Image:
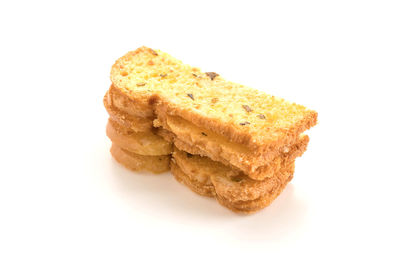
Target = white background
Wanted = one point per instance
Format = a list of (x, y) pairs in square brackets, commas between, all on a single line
[(66, 205)]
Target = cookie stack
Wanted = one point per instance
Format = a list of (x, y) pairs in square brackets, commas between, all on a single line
[(130, 129), (227, 141)]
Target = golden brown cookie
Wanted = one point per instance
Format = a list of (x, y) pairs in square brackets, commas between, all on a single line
[(135, 162), (133, 122), (203, 187), (142, 143), (241, 114), (231, 187), (229, 155)]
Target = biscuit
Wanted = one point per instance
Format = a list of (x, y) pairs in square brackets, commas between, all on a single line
[(202, 187), (231, 142), (133, 122), (142, 143), (210, 145), (243, 115), (231, 188), (252, 206), (136, 162), (129, 105)]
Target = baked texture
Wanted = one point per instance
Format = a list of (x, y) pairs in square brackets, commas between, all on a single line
[(129, 105), (200, 186), (232, 142), (194, 140), (142, 143), (252, 206), (232, 188), (136, 162), (133, 122), (241, 114)]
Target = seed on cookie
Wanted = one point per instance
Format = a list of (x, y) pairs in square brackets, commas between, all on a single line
[(261, 116), (212, 75), (247, 108), (214, 100), (153, 52)]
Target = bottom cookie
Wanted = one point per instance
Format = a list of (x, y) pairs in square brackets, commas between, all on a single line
[(136, 162), (142, 143), (257, 204), (231, 188), (202, 187)]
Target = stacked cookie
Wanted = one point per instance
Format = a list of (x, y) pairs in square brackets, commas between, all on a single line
[(134, 141), (228, 141)]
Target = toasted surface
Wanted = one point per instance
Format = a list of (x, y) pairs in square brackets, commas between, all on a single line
[(195, 141), (167, 135), (217, 147), (135, 162), (230, 183), (129, 105), (231, 188), (261, 172), (142, 143), (241, 114), (134, 122), (202, 187), (252, 206)]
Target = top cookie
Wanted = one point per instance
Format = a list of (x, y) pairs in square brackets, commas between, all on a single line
[(241, 114)]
